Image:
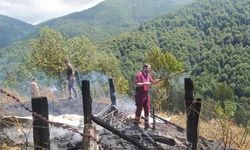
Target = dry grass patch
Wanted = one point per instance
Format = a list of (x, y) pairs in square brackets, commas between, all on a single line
[(4, 99), (215, 129)]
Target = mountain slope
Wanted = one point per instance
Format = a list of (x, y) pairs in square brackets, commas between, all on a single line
[(211, 37), (108, 18), (13, 30), (213, 40), (111, 17)]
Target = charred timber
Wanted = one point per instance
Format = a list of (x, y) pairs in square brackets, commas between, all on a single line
[(89, 128), (193, 112), (157, 138), (119, 133), (40, 127), (168, 122)]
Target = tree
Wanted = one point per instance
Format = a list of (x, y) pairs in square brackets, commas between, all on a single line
[(110, 65), (164, 64), (82, 54), (85, 58), (223, 93), (48, 53)]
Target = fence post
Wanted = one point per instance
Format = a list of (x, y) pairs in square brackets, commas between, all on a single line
[(193, 112), (112, 92), (90, 137), (40, 126), (112, 96), (153, 113)]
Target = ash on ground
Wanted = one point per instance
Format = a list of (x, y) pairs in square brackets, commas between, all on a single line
[(165, 135)]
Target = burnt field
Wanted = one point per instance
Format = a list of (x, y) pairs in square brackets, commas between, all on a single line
[(164, 135)]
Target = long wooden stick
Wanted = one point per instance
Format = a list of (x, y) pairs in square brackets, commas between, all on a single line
[(171, 75)]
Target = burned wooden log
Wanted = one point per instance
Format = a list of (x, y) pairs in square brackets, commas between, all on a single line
[(162, 139), (119, 133), (148, 137), (157, 138), (178, 128)]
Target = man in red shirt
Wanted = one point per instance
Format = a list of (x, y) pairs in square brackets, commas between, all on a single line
[(143, 80)]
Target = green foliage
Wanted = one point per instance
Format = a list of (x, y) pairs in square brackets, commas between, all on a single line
[(13, 66), (131, 50), (82, 53), (212, 41), (48, 52), (109, 65), (121, 84), (228, 110), (163, 64), (110, 17), (243, 111), (223, 93)]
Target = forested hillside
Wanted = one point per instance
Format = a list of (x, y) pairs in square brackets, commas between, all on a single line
[(214, 40), (11, 58), (111, 17), (108, 18), (211, 37), (13, 30), (100, 22)]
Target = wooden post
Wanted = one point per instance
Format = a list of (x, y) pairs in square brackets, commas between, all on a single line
[(112, 97), (89, 138), (153, 118), (40, 126), (193, 112), (112, 92)]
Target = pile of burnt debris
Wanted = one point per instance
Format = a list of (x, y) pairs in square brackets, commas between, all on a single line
[(113, 127), (117, 130)]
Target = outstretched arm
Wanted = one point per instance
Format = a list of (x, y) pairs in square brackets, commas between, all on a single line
[(140, 84), (154, 81)]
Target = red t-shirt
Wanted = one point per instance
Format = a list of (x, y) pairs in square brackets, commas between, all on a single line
[(141, 77)]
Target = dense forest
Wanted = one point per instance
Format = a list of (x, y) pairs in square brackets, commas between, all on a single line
[(100, 22), (110, 17), (211, 38)]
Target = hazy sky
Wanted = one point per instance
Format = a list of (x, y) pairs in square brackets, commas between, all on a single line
[(36, 11)]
